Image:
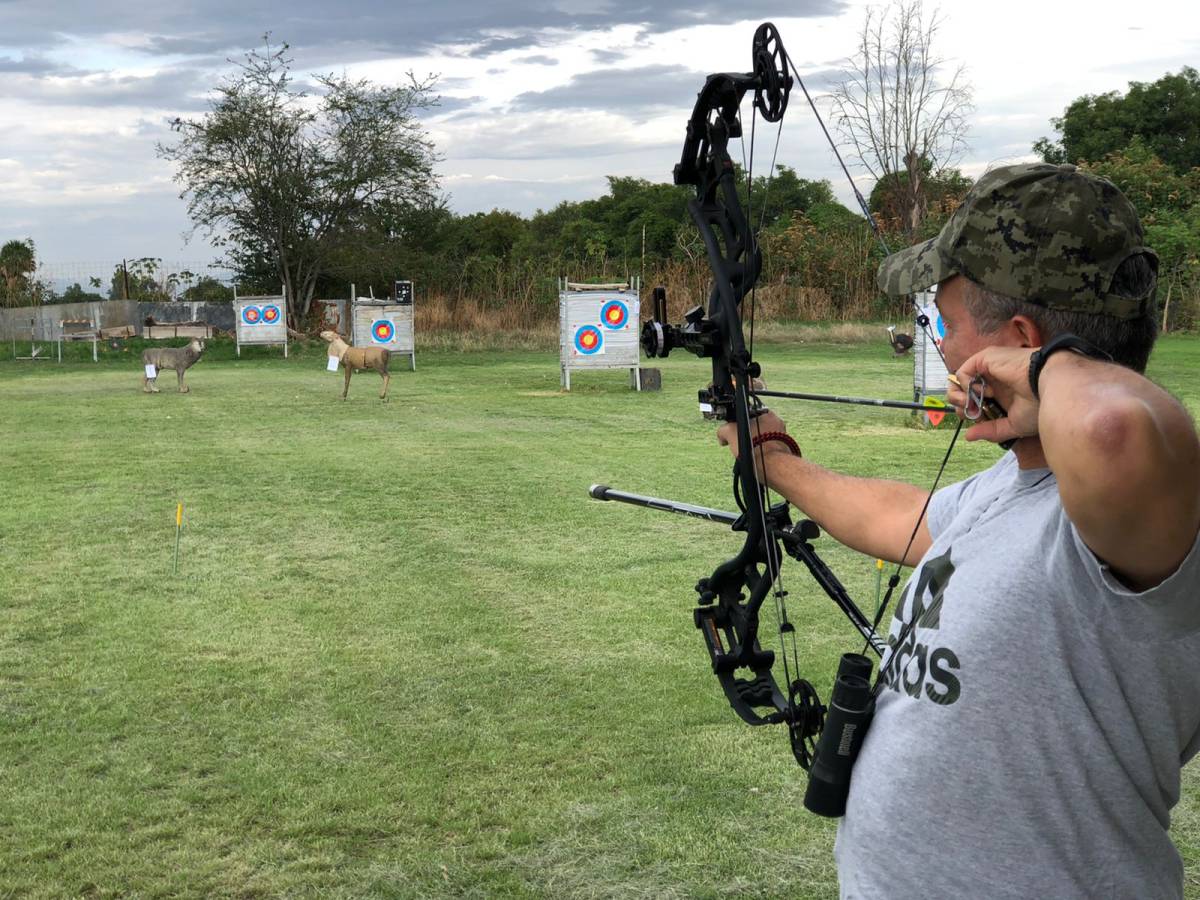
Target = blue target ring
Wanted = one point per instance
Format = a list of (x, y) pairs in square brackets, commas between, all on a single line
[(382, 331), (251, 315), (270, 314), (614, 314), (589, 340)]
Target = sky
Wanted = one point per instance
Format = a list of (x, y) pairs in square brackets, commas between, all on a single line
[(540, 100)]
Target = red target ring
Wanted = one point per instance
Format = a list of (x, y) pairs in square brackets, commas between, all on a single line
[(614, 314), (588, 340), (382, 331)]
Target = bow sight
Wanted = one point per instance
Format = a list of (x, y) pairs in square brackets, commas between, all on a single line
[(700, 335)]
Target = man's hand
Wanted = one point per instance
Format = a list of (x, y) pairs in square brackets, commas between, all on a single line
[(1006, 372), (727, 435)]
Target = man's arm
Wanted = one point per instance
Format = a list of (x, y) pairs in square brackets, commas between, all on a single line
[(1124, 452), (870, 515)]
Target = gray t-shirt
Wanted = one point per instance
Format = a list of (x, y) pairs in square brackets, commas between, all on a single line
[(1029, 740)]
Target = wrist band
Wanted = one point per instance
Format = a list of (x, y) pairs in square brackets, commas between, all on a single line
[(1071, 342), (781, 436)]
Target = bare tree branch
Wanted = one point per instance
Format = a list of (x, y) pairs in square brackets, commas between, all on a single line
[(899, 116)]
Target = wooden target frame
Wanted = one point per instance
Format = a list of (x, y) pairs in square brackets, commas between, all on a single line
[(260, 321), (599, 328)]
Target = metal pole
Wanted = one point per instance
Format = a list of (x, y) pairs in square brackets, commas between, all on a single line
[(604, 492), (178, 528)]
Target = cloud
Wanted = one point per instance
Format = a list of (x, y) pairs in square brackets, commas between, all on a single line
[(537, 60), (184, 27), (29, 65), (180, 89), (638, 90), (609, 57), (546, 136)]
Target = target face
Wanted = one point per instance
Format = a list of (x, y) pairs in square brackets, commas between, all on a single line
[(589, 340), (382, 331), (614, 314), (270, 314), (251, 315)]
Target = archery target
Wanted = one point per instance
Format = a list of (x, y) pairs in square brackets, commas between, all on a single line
[(382, 324), (261, 320), (589, 341), (614, 314), (382, 331)]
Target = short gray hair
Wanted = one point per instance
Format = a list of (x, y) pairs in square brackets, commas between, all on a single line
[(1128, 341)]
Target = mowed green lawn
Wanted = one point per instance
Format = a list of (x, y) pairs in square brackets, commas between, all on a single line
[(404, 654)]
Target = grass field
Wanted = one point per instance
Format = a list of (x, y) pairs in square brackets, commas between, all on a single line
[(404, 654)]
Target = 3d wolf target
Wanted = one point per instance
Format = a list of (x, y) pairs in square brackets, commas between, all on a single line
[(260, 320), (387, 323), (598, 329)]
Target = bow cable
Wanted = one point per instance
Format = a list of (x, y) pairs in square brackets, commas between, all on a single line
[(923, 321)]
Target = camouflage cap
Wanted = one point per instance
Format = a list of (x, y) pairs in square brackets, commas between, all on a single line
[(1046, 234)]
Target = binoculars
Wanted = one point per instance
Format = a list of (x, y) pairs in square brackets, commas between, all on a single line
[(850, 710)]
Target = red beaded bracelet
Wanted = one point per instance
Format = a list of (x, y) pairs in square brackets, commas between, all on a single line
[(781, 436)]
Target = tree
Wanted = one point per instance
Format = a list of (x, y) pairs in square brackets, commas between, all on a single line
[(899, 112), (775, 198), (943, 194), (18, 261), (278, 176), (76, 293), (141, 279), (1165, 114), (1168, 204), (206, 289)]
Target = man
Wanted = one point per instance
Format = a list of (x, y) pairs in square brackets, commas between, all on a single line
[(1042, 687)]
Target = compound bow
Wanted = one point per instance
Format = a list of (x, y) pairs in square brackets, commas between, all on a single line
[(731, 597)]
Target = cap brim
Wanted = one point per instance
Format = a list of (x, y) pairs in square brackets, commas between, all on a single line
[(914, 269)]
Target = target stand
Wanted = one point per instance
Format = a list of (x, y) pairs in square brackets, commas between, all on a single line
[(599, 328), (260, 320), (387, 323), (929, 371), (79, 330)]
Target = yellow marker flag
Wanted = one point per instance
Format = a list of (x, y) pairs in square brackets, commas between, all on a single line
[(178, 528), (934, 417)]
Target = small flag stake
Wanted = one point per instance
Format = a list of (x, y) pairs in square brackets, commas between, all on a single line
[(178, 528)]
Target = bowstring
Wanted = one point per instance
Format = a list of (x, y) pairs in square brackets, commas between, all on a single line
[(923, 321), (773, 554)]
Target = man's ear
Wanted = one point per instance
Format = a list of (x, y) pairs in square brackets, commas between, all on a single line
[(1026, 331)]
